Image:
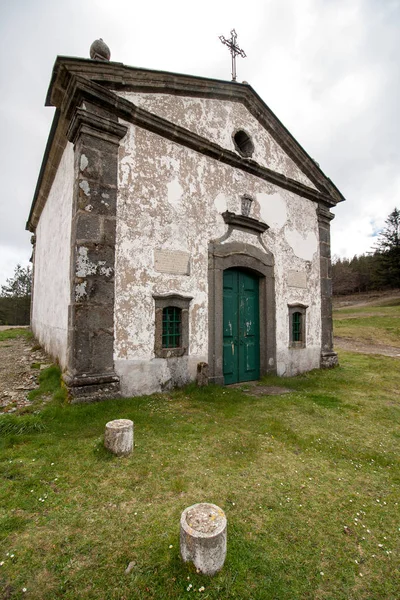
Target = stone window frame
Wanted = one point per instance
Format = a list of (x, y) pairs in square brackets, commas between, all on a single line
[(297, 307), (162, 301)]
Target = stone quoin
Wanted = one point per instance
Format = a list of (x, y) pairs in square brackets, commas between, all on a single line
[(180, 232)]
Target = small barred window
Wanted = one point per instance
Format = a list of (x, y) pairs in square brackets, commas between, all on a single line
[(171, 335), (297, 325), (171, 327)]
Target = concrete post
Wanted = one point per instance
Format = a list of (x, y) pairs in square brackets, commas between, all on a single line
[(203, 537)]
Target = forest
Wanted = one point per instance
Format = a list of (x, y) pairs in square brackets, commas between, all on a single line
[(376, 270)]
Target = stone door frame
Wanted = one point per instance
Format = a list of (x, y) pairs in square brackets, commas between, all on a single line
[(241, 256)]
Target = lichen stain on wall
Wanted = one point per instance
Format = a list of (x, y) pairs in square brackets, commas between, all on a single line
[(218, 120)]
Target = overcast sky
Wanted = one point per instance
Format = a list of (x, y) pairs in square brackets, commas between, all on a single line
[(329, 69)]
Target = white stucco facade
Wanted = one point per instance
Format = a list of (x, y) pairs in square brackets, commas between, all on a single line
[(217, 120), (51, 292), (171, 198)]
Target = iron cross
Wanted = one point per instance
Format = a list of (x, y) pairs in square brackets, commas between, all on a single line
[(235, 50)]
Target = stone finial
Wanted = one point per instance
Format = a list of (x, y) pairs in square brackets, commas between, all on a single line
[(99, 50), (203, 537), (118, 437)]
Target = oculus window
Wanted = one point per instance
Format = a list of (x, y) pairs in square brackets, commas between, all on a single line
[(243, 143)]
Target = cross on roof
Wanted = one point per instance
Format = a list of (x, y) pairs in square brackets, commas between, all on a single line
[(235, 50)]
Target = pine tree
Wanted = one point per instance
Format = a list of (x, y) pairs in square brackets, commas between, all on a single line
[(387, 251)]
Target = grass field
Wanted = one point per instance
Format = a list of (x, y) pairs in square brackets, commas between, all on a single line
[(377, 323), (309, 482)]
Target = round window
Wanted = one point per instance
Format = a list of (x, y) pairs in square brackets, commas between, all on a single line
[(243, 143)]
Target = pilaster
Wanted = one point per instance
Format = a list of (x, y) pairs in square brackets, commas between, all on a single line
[(90, 372), (329, 358)]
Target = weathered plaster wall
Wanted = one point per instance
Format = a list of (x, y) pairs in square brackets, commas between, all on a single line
[(217, 120), (171, 198), (51, 296)]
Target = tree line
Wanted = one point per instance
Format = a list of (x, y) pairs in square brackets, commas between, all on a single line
[(376, 270)]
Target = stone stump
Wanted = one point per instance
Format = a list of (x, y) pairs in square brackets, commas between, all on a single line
[(118, 437), (203, 537), (202, 374)]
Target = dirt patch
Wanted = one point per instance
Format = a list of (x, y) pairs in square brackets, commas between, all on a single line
[(366, 299), (365, 315), (252, 388), (352, 345), (20, 365)]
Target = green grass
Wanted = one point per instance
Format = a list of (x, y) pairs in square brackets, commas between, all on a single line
[(10, 334), (309, 482), (376, 324)]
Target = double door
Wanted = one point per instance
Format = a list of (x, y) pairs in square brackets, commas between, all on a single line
[(241, 328)]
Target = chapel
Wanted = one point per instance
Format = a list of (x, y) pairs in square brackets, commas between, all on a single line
[(178, 228)]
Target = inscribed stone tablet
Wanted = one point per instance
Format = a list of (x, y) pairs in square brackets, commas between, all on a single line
[(172, 261), (297, 279)]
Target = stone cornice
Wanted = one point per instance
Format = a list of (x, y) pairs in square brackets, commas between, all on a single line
[(86, 122), (118, 76), (246, 223)]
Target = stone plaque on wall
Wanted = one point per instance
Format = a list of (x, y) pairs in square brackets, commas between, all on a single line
[(172, 261), (297, 279)]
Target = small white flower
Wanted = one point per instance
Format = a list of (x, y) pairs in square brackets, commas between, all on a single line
[(360, 574), (171, 546), (202, 588), (380, 545), (24, 590), (11, 555), (52, 464), (321, 572), (1, 563)]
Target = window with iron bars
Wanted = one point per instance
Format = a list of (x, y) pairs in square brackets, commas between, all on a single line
[(297, 325), (171, 327)]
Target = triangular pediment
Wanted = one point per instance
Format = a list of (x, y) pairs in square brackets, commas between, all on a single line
[(151, 90)]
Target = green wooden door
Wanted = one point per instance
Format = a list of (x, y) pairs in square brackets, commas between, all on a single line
[(241, 329)]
